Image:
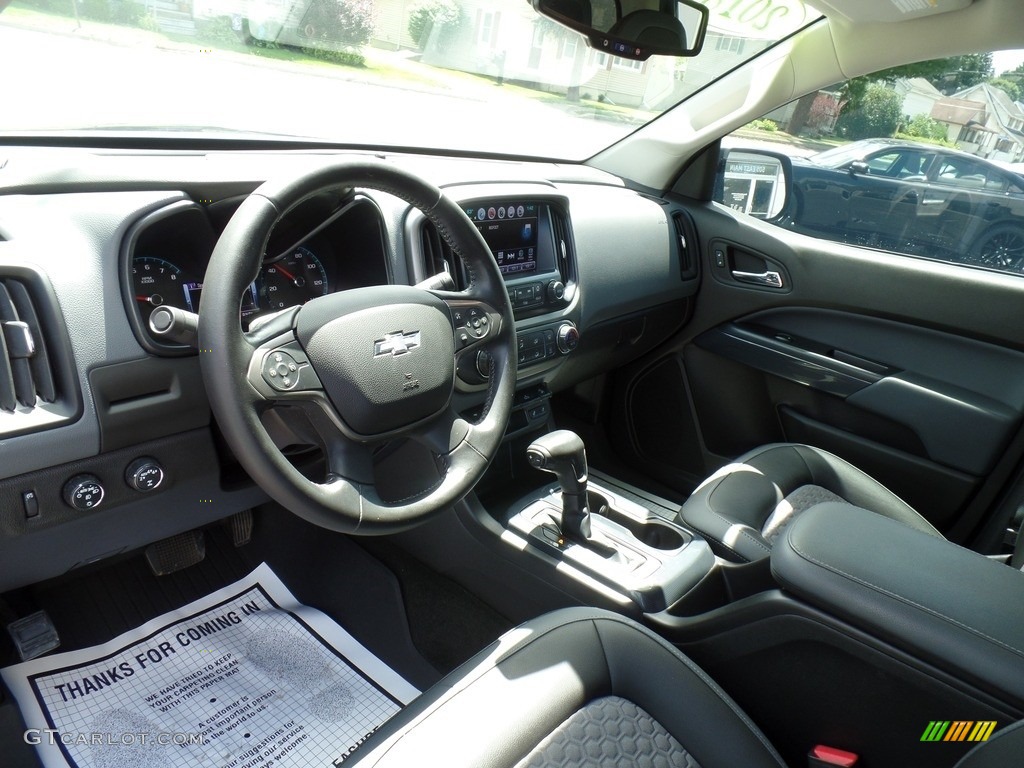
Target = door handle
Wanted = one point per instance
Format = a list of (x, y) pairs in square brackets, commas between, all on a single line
[(768, 279)]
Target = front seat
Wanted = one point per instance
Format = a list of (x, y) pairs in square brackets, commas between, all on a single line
[(576, 687), (585, 687), (743, 507)]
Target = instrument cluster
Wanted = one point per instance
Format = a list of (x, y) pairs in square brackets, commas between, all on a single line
[(330, 243), (294, 279)]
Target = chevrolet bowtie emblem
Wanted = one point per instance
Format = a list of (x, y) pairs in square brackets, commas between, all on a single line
[(396, 344)]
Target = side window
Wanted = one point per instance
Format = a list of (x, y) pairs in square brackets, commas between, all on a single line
[(924, 161), (886, 164)]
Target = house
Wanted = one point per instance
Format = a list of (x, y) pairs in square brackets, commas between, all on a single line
[(964, 120), (919, 96), (999, 133), (557, 60)]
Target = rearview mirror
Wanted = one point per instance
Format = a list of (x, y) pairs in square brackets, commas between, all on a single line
[(754, 182), (633, 29)]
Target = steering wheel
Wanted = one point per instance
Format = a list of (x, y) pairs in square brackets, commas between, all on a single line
[(357, 368)]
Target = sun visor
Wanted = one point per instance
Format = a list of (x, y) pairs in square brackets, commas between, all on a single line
[(888, 10)]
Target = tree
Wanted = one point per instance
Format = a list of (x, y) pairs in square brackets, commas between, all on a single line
[(1009, 87), (924, 127), (348, 22), (880, 112), (963, 72), (444, 15), (947, 75)]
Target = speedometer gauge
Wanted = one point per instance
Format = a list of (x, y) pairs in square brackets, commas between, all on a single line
[(294, 280)]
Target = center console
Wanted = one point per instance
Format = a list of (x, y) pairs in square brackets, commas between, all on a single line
[(599, 531)]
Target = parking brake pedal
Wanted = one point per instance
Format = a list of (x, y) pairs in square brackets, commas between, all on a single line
[(34, 635), (176, 553)]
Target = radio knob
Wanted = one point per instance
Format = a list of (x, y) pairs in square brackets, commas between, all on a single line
[(568, 338), (556, 290)]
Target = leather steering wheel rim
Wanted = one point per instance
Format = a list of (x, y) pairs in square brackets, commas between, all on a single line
[(237, 367)]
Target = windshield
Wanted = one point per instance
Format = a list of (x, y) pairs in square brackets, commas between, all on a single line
[(475, 75)]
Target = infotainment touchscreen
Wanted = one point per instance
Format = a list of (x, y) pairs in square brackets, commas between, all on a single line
[(510, 230)]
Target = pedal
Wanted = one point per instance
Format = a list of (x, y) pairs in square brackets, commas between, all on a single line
[(176, 553), (34, 635), (241, 524)]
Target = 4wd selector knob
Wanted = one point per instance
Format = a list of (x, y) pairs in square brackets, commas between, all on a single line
[(568, 338), (144, 475), (83, 492)]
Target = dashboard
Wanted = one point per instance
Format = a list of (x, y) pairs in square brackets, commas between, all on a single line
[(597, 274)]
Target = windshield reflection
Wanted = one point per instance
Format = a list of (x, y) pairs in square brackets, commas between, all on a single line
[(474, 75)]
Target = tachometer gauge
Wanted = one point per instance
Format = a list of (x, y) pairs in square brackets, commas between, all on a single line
[(157, 282), (294, 280)]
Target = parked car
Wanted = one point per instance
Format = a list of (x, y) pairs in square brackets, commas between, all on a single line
[(913, 197)]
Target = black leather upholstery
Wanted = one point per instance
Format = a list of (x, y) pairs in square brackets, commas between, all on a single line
[(943, 603), (1004, 749), (585, 687), (770, 486), (500, 706)]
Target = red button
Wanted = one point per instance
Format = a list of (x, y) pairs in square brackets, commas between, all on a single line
[(833, 756)]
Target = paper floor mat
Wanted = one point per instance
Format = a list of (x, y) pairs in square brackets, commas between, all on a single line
[(243, 678)]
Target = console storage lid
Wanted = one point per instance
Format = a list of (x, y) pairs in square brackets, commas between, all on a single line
[(944, 604)]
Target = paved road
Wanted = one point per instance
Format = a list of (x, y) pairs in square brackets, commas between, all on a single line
[(60, 81)]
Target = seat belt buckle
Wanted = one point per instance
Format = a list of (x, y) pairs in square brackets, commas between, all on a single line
[(822, 756)]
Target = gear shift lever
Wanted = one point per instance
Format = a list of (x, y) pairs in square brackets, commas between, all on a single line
[(562, 453)]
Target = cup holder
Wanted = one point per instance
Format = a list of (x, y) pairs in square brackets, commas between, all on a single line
[(654, 534)]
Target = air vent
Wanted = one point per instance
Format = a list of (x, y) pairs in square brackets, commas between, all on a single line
[(37, 381), (438, 256), (563, 244), (685, 236)]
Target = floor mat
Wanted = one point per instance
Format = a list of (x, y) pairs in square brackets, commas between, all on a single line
[(245, 676)]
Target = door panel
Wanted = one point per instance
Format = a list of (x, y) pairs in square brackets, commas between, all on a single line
[(911, 369)]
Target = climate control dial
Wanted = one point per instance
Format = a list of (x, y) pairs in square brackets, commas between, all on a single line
[(568, 338)]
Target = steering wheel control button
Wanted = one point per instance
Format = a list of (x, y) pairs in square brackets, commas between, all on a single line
[(472, 323), (281, 370), (144, 475), (476, 322), (83, 492)]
